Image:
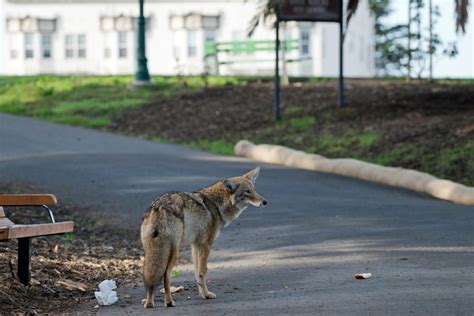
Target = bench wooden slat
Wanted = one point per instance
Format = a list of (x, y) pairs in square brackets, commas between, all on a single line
[(27, 199), (21, 231), (3, 233)]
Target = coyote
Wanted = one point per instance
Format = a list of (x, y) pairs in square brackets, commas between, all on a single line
[(195, 218)]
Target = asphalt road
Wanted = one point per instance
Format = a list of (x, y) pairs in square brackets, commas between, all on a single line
[(296, 256)]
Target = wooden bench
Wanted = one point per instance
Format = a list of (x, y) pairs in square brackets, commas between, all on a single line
[(24, 233)]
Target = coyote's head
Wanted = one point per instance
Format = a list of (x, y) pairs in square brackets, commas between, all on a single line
[(242, 190)]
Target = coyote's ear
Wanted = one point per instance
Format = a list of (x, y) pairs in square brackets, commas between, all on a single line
[(230, 186), (252, 174)]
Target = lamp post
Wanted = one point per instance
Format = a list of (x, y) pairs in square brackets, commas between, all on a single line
[(142, 77)]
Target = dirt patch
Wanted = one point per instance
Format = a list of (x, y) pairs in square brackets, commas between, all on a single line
[(215, 113), (66, 269), (387, 122)]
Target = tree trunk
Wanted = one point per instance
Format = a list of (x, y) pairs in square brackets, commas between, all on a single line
[(431, 40), (408, 77), (419, 37)]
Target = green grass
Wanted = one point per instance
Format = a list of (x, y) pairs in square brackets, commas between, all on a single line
[(400, 153), (455, 81), (351, 144), (214, 146), (292, 109), (457, 162), (84, 101), (68, 237), (90, 101), (451, 162), (302, 122)]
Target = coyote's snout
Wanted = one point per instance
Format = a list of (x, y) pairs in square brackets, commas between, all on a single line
[(195, 218)]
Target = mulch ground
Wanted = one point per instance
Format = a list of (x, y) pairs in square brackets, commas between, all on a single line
[(66, 269), (228, 112)]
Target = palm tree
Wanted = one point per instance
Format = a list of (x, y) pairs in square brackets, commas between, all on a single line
[(266, 9)]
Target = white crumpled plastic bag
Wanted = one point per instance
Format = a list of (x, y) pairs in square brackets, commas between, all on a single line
[(106, 295)]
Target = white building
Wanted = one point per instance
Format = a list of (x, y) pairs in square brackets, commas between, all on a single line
[(99, 37)]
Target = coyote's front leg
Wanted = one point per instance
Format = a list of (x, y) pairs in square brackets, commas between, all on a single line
[(200, 256)]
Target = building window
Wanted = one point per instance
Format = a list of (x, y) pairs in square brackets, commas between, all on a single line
[(69, 46), (46, 41), (304, 42), (122, 44), (209, 36), (81, 46), (191, 40), (28, 45), (75, 46)]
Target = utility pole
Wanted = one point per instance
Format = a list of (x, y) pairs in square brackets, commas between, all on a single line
[(276, 108), (341, 56), (142, 77), (284, 73)]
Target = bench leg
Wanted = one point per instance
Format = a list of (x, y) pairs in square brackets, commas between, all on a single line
[(24, 260)]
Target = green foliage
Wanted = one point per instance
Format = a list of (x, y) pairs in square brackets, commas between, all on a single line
[(393, 56), (390, 50)]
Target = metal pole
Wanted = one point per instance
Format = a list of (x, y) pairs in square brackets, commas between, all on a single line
[(142, 75), (341, 58), (24, 257), (276, 110)]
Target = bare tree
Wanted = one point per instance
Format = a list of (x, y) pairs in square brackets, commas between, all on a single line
[(408, 77), (430, 47)]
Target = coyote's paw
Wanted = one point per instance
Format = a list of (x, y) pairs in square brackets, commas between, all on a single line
[(148, 304), (170, 304), (208, 296)]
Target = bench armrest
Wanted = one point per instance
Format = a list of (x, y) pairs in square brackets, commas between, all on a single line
[(27, 199)]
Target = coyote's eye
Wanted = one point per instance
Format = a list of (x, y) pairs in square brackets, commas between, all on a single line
[(247, 191)]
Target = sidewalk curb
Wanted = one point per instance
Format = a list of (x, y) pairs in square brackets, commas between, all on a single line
[(398, 177)]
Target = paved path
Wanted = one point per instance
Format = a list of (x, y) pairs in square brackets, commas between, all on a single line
[(296, 256)]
